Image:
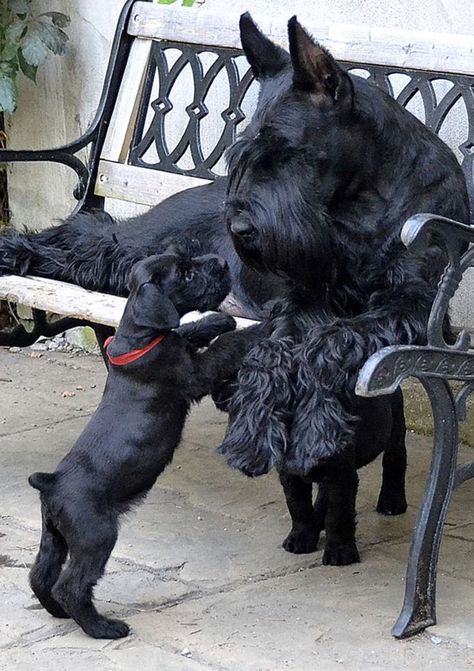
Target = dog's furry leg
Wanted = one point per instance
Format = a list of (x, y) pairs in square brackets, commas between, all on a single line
[(257, 433), (304, 534), (200, 333), (340, 488), (392, 500), (74, 590), (48, 563)]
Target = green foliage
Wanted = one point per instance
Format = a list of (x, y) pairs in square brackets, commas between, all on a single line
[(25, 41)]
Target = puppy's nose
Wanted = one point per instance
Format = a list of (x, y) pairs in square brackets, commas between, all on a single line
[(241, 227)]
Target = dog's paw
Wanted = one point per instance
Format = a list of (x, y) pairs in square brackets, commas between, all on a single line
[(104, 627), (392, 503), (301, 541), (340, 555)]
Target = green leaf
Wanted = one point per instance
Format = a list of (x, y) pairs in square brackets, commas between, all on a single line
[(59, 19), (27, 69), (33, 48), (54, 38), (8, 94), (19, 6), (12, 36)]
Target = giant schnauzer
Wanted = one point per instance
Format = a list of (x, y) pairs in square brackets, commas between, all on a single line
[(320, 184), (154, 376)]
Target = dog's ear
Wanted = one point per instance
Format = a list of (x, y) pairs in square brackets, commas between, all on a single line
[(139, 274), (315, 70), (265, 58), (152, 309)]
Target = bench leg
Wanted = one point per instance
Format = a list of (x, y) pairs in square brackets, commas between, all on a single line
[(419, 607)]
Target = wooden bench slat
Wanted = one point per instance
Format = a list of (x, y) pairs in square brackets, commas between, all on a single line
[(140, 185), (70, 300), (122, 122), (62, 298), (441, 52)]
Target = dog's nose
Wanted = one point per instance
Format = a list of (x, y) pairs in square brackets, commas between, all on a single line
[(241, 227)]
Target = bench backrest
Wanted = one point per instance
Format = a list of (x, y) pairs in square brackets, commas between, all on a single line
[(187, 90)]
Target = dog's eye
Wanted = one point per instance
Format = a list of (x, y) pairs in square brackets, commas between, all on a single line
[(188, 275)]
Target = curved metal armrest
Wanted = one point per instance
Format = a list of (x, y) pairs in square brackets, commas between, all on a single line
[(386, 369), (95, 134), (417, 233)]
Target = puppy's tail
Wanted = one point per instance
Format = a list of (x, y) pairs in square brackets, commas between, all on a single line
[(43, 482), (52, 553)]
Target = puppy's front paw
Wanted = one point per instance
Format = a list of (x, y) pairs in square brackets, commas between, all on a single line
[(340, 555), (301, 541)]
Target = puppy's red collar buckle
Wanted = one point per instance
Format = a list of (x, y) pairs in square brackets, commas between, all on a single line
[(134, 354)]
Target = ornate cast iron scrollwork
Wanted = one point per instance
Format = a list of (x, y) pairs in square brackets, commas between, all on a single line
[(436, 93)]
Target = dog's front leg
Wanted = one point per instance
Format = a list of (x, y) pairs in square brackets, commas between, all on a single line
[(305, 530), (340, 489)]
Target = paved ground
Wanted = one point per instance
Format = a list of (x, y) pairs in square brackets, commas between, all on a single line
[(199, 572)]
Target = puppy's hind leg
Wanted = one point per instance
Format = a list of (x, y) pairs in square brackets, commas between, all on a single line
[(392, 500), (89, 551), (48, 563)]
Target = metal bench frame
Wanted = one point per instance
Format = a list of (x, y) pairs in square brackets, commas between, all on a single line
[(121, 134)]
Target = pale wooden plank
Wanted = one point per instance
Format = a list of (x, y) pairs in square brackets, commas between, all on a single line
[(119, 135), (72, 301), (140, 185), (62, 298), (441, 52)]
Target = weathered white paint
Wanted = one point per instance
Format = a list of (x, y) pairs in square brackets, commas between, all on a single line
[(140, 185), (125, 112), (351, 42), (62, 298)]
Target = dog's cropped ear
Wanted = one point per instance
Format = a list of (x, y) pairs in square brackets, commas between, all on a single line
[(265, 57), (315, 70), (152, 309)]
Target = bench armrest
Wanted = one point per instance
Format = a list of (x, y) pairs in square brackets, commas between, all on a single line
[(95, 134), (385, 369), (417, 232)]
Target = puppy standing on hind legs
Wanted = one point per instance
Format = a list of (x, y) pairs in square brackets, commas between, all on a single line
[(154, 376)]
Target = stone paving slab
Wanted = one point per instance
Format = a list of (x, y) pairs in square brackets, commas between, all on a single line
[(199, 571)]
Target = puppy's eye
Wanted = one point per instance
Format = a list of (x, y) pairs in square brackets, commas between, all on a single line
[(188, 275)]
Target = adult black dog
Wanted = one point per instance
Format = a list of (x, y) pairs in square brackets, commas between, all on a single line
[(320, 184), (154, 376)]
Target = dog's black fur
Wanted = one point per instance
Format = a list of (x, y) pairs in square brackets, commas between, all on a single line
[(134, 432), (320, 184), (95, 252)]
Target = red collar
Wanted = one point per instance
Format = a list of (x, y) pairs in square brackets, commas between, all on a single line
[(135, 354)]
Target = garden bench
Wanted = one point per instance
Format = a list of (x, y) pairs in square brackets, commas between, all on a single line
[(135, 155)]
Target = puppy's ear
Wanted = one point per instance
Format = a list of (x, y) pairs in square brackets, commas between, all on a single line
[(316, 71), (152, 309), (265, 58), (139, 274)]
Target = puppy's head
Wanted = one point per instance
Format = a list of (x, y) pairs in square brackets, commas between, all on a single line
[(163, 287)]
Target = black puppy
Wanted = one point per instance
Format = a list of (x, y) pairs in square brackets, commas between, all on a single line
[(154, 376)]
